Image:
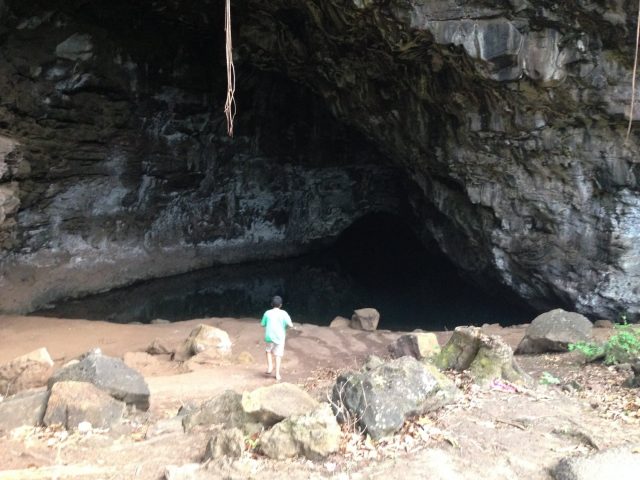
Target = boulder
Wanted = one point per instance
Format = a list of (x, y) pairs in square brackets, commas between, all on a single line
[(487, 357), (314, 435), (379, 400), (23, 409), (365, 319), (205, 337), (603, 324), (108, 374), (618, 464), (226, 410), (553, 332), (27, 371), (269, 405), (416, 345), (225, 443), (340, 322), (72, 402)]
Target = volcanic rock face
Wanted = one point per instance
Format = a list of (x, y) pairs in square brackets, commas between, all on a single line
[(509, 115), (114, 166), (500, 127)]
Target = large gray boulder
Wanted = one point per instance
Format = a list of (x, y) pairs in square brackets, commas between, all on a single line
[(71, 403), (23, 409), (314, 435), (226, 410), (109, 374), (553, 332), (615, 464), (269, 405), (28, 371), (379, 400)]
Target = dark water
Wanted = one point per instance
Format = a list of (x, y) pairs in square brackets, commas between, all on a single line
[(372, 265)]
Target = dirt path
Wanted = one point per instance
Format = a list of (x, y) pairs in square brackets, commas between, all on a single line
[(489, 434)]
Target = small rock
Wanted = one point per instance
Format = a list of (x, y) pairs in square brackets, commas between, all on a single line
[(84, 427), (205, 337), (340, 322), (603, 324), (23, 409), (416, 345), (269, 405), (245, 358), (162, 347), (160, 321), (76, 47), (27, 371), (365, 319), (372, 362)]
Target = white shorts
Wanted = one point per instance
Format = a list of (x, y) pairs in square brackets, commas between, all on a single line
[(275, 348)]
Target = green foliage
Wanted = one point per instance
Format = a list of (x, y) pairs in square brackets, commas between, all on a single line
[(251, 442), (590, 350), (622, 347), (548, 379)]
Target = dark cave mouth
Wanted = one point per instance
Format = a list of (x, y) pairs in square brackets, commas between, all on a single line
[(376, 262)]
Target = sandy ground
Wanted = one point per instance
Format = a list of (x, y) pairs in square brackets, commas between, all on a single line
[(489, 434)]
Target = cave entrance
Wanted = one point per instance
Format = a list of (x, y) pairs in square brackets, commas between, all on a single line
[(376, 262), (415, 287)]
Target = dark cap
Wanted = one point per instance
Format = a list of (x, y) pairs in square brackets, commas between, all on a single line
[(276, 301)]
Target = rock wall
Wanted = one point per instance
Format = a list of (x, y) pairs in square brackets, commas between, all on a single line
[(500, 127), (114, 165), (510, 115)]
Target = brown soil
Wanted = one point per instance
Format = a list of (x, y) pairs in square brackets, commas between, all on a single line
[(489, 434)]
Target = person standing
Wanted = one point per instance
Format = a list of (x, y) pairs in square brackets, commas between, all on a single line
[(275, 322)]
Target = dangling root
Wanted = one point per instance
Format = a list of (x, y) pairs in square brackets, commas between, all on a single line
[(633, 79), (230, 104)]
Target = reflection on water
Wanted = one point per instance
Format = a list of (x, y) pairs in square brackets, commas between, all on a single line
[(413, 291)]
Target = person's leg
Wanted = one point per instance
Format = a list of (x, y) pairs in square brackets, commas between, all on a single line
[(278, 361), (278, 351), (270, 362)]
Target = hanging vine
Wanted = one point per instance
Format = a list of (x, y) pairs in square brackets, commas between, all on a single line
[(633, 78), (230, 104)]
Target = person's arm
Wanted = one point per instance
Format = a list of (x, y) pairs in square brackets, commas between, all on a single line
[(264, 320), (287, 319)]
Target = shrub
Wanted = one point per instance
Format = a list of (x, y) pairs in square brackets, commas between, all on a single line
[(622, 347)]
